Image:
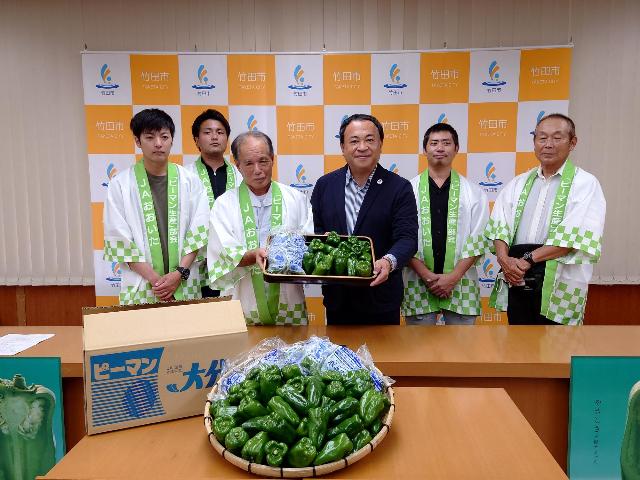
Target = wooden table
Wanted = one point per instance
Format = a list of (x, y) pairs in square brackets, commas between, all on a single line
[(437, 433), (531, 363)]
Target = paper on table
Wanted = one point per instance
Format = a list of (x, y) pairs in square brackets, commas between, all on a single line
[(13, 343)]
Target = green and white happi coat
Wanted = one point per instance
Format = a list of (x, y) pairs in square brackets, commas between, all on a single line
[(234, 178), (129, 219), (467, 232), (228, 244), (577, 222)]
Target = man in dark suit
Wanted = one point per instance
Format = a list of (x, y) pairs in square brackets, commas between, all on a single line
[(363, 198)]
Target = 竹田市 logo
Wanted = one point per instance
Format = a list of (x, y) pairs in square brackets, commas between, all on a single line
[(116, 274), (492, 178), (488, 273), (203, 80), (494, 76), (106, 80), (393, 168), (298, 79), (252, 123), (394, 76), (112, 171), (540, 115), (302, 183), (442, 118)]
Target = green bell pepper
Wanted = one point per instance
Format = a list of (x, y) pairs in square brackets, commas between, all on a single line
[(351, 266), (323, 265), (270, 379), (356, 382), (302, 453), (351, 426), (375, 427), (361, 439), (331, 375), (343, 410), (217, 405), (291, 371), (338, 447), (316, 245), (303, 428), (366, 256), (250, 408), (309, 364), (276, 452), (293, 398), (315, 386), (253, 450), (253, 374), (235, 439), (297, 384), (222, 426), (318, 422), (278, 428), (364, 268), (371, 406), (340, 263), (281, 408), (227, 411), (308, 262), (335, 390), (333, 239)]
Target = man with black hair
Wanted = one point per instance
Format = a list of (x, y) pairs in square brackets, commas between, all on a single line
[(546, 227), (453, 214), (210, 131), (363, 198), (155, 219)]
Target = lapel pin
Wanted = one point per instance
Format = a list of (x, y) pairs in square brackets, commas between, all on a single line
[(379, 181)]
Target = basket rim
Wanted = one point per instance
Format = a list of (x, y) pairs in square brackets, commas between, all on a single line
[(293, 472)]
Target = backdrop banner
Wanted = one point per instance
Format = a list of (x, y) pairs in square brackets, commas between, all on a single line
[(493, 98)]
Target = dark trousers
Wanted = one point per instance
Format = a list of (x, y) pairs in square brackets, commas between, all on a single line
[(208, 293), (525, 302), (350, 317)]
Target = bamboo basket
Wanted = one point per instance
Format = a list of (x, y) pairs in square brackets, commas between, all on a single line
[(312, 471)]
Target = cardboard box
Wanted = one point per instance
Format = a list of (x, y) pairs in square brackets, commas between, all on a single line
[(151, 363)]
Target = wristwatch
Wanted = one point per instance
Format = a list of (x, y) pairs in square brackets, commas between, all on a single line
[(528, 256), (184, 272)]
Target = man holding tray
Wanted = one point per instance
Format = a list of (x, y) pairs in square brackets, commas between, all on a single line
[(363, 198), (240, 222)]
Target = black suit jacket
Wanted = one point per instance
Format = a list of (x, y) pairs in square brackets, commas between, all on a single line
[(389, 216)]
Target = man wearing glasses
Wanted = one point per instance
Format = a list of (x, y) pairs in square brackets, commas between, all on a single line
[(546, 227)]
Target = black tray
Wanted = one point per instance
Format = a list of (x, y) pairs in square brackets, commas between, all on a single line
[(321, 279)]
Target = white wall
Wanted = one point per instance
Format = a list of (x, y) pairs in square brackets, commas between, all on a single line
[(45, 219)]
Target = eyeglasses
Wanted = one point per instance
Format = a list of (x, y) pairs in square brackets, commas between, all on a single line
[(540, 140)]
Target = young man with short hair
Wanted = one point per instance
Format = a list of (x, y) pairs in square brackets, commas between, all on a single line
[(155, 219)]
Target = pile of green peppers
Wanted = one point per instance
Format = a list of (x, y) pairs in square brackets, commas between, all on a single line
[(336, 256), (283, 418)]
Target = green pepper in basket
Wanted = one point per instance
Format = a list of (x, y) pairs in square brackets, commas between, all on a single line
[(222, 426), (323, 265), (274, 425), (235, 439), (250, 408), (366, 256), (297, 384), (316, 245), (227, 411), (331, 375), (343, 410), (335, 390), (361, 439), (363, 268), (335, 449), (315, 386), (356, 382), (293, 398), (281, 408), (302, 453), (253, 450), (253, 374), (333, 239), (308, 262), (275, 452), (351, 426), (291, 371), (270, 379), (371, 406), (375, 427), (318, 422), (217, 405), (303, 428)]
